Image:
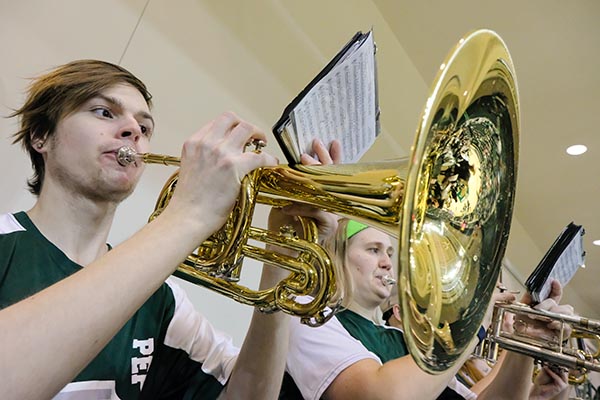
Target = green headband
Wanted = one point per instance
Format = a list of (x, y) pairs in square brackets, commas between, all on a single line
[(353, 228)]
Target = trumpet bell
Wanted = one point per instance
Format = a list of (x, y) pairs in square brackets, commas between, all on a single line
[(459, 199), (449, 203)]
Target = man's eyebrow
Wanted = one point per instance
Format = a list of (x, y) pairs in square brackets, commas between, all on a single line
[(119, 104)]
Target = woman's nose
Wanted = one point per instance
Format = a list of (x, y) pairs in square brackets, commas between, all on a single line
[(386, 262)]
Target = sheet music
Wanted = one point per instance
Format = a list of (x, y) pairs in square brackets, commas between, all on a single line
[(342, 106), (567, 264)]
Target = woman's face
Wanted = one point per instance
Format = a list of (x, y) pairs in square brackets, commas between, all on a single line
[(368, 258)]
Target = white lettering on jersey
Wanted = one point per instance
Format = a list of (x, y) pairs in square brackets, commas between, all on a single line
[(141, 365)]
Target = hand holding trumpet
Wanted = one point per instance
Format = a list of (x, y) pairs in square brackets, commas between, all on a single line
[(543, 327), (213, 164)]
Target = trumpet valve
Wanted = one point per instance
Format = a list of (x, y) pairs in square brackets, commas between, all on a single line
[(288, 231), (257, 143)]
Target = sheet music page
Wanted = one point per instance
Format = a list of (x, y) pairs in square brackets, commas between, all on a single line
[(342, 106), (566, 266)]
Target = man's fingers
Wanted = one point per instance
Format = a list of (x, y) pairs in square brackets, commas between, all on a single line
[(526, 298), (321, 151), (243, 133), (251, 161), (504, 297), (546, 305), (305, 159), (224, 123), (323, 155), (560, 376), (335, 150), (555, 291)]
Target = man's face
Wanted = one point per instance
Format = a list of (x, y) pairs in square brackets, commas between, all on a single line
[(369, 255), (81, 156)]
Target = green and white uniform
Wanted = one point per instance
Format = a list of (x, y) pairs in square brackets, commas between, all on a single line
[(167, 349), (317, 356)]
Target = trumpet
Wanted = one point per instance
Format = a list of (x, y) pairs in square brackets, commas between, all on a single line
[(559, 353), (217, 262)]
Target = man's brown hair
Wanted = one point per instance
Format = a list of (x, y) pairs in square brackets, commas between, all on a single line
[(58, 93)]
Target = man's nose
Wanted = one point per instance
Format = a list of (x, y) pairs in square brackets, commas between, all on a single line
[(130, 130)]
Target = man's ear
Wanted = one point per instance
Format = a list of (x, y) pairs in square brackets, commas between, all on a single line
[(396, 312), (38, 141)]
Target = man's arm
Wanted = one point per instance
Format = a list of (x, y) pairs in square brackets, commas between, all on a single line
[(260, 366), (48, 338)]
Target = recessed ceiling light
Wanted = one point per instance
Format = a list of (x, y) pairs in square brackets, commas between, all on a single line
[(576, 149), (596, 242)]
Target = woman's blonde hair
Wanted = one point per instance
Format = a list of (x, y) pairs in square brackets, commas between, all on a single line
[(337, 246)]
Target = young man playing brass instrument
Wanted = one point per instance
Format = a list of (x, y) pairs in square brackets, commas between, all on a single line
[(78, 316)]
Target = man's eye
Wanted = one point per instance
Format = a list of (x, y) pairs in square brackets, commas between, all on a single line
[(145, 130), (102, 112)]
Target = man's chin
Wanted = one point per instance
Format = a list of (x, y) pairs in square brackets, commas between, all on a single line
[(116, 193), (123, 186)]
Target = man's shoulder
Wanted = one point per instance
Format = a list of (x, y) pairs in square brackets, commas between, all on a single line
[(10, 224), (15, 237)]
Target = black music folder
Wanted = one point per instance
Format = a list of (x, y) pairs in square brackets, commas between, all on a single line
[(341, 102), (560, 262)]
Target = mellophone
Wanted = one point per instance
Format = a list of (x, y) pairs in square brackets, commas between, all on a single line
[(449, 204)]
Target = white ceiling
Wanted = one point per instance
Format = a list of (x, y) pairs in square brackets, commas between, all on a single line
[(201, 57)]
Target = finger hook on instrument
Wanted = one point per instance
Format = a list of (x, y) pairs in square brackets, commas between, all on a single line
[(257, 143)]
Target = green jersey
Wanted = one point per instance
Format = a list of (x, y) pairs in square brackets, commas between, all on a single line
[(167, 349)]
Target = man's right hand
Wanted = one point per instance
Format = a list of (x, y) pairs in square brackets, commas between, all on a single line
[(213, 164)]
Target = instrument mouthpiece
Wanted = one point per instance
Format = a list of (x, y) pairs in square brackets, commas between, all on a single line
[(126, 156), (388, 280)]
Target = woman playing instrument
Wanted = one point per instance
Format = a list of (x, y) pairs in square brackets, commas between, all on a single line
[(352, 356)]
